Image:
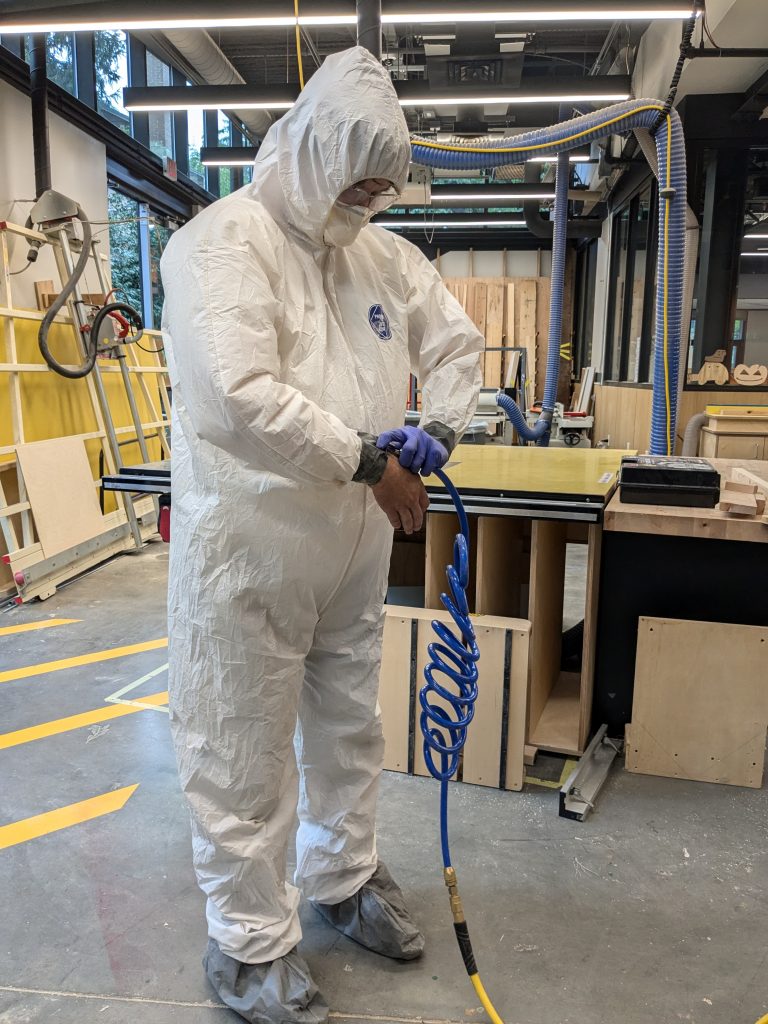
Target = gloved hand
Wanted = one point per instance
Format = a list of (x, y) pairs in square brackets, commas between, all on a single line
[(418, 451)]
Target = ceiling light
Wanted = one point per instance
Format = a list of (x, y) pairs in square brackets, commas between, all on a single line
[(512, 99), (415, 223), (240, 15), (765, 253), (411, 94), (576, 158), (748, 238), (491, 197)]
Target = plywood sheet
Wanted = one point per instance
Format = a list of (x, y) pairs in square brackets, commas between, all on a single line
[(395, 690), (494, 333), (700, 708), (61, 492), (548, 546), (525, 323)]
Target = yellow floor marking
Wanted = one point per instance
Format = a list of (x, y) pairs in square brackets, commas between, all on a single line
[(64, 817), (549, 783), (81, 659), (27, 627), (53, 728)]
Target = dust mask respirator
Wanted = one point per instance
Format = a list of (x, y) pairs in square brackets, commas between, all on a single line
[(345, 223)]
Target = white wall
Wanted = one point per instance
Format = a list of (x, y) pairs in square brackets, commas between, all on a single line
[(78, 170), (493, 263)]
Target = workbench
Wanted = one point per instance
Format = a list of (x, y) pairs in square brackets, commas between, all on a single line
[(525, 506), (679, 563)]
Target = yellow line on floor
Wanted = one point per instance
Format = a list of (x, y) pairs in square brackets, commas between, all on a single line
[(551, 783), (81, 659), (53, 728), (27, 627), (64, 817)]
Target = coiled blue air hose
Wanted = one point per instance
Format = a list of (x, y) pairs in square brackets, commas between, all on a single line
[(454, 657), (560, 138), (451, 675)]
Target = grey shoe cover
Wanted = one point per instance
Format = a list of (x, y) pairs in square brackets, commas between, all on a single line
[(377, 918), (280, 992)]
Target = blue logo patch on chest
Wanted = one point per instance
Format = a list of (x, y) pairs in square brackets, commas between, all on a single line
[(379, 322)]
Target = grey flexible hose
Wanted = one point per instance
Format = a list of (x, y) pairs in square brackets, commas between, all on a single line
[(60, 301), (692, 431)]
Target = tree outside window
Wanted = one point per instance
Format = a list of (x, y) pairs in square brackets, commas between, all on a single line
[(111, 61), (124, 248)]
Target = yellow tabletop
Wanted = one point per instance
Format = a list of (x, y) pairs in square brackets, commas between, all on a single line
[(503, 470)]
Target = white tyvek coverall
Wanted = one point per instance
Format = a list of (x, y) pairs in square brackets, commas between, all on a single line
[(278, 560)]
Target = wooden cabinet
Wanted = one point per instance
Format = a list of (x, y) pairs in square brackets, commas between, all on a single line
[(517, 571), (717, 445)]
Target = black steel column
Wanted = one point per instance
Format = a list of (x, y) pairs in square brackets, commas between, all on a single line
[(39, 79), (369, 26), (721, 239)]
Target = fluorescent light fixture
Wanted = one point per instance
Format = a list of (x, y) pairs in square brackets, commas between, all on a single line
[(226, 162), (512, 99), (198, 15), (748, 238), (578, 158), (765, 253), (411, 94), (491, 197), (416, 223)]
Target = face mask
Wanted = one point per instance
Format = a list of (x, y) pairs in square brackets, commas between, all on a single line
[(345, 223)]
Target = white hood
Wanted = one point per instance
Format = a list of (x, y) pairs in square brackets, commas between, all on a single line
[(346, 125)]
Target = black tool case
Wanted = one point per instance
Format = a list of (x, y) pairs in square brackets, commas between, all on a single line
[(668, 480)]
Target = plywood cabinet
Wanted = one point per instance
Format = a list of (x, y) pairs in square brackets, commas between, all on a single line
[(716, 445)]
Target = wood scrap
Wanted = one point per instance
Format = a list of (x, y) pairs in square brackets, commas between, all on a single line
[(741, 499)]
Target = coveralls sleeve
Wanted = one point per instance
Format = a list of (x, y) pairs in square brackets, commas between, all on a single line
[(228, 367), (444, 344)]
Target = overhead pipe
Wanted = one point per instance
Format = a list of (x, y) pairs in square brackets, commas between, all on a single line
[(670, 151), (38, 73), (369, 26), (198, 48)]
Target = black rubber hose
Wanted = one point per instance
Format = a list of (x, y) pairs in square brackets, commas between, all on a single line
[(59, 302), (126, 310), (686, 42)]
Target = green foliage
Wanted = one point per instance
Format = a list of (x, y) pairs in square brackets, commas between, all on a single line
[(125, 254)]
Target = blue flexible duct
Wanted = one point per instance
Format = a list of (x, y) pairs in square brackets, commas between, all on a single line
[(560, 138)]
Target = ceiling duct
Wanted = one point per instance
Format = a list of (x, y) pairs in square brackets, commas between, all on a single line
[(201, 52)]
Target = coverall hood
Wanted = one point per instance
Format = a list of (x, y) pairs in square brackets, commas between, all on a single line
[(346, 126)]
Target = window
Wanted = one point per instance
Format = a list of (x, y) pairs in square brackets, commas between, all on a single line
[(124, 247), (111, 61), (158, 239), (631, 297), (160, 121), (586, 277), (225, 139), (60, 59), (195, 135)]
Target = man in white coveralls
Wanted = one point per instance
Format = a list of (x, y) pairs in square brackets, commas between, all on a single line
[(292, 326)]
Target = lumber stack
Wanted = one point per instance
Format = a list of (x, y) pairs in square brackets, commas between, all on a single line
[(513, 312)]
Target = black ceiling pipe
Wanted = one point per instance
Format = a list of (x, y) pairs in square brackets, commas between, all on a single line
[(369, 26), (38, 74), (578, 227)]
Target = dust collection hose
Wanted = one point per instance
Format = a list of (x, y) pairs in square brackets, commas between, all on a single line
[(451, 674), (560, 138), (59, 302)]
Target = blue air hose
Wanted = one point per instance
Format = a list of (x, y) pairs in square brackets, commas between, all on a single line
[(451, 675), (560, 138)]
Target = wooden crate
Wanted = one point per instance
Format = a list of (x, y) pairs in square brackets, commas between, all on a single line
[(494, 752)]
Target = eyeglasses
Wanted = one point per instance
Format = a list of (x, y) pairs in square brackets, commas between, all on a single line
[(361, 197)]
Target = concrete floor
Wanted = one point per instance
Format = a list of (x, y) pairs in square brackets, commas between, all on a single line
[(651, 912)]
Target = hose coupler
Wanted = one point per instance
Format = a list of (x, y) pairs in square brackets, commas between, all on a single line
[(449, 875)]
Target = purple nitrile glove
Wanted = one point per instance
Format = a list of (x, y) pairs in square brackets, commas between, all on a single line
[(418, 451)]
